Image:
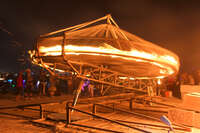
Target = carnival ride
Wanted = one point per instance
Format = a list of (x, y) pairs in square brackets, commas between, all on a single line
[(104, 54)]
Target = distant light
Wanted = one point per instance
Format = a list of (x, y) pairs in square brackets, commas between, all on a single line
[(126, 78), (2, 78), (122, 77), (160, 77), (37, 84), (159, 81), (10, 81), (88, 75), (24, 83)]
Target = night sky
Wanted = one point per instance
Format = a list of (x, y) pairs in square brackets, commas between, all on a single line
[(172, 24)]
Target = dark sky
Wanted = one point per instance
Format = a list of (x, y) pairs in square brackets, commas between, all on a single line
[(172, 24)]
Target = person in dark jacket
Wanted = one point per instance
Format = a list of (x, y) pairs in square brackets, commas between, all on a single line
[(176, 91)]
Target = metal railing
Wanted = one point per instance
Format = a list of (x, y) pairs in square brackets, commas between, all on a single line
[(69, 108)]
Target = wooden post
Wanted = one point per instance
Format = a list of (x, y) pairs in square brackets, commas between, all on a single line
[(68, 114), (94, 110), (41, 112), (63, 44)]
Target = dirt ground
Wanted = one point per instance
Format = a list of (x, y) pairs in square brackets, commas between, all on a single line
[(18, 120), (12, 124)]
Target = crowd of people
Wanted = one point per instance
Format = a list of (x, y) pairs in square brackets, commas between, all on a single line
[(45, 84), (28, 85), (173, 83), (25, 84), (42, 85), (190, 79)]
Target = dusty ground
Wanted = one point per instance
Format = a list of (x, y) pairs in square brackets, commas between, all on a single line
[(17, 120), (12, 124)]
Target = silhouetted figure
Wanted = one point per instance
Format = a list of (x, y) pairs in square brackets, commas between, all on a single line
[(191, 80), (20, 89), (52, 89), (197, 77), (184, 78), (29, 83), (91, 90), (176, 91), (42, 85)]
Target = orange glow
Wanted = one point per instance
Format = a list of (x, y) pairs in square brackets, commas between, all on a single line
[(108, 50), (35, 61), (56, 50), (159, 81)]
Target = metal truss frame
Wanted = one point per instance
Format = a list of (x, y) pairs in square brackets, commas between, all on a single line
[(103, 77)]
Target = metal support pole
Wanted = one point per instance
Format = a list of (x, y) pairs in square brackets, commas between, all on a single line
[(78, 92), (68, 114), (41, 113), (94, 109)]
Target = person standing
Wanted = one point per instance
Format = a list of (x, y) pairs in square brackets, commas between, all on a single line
[(19, 86), (197, 77), (91, 90), (42, 85), (191, 80), (176, 91), (29, 83), (52, 89)]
